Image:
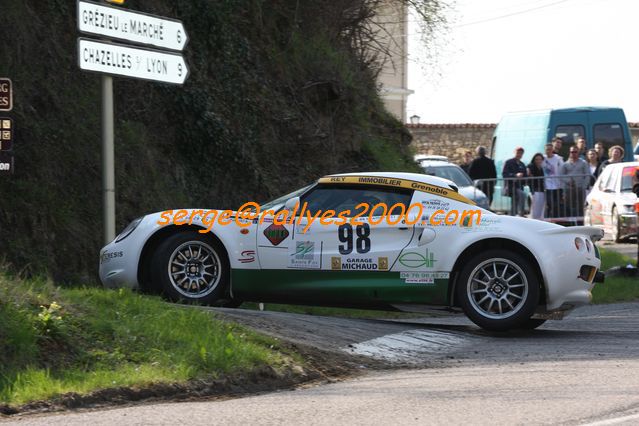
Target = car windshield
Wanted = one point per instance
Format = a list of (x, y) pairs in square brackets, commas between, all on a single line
[(629, 178), (453, 173), (281, 200)]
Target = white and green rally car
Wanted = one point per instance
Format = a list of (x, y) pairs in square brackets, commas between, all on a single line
[(503, 272)]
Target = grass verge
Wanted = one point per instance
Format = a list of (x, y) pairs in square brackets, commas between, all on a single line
[(54, 341), (615, 289)]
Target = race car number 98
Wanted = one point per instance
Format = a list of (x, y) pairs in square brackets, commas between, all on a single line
[(362, 242)]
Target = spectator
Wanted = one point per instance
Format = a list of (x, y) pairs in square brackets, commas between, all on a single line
[(592, 158), (552, 164), (516, 171), (536, 184), (556, 147), (483, 167), (601, 152), (577, 179), (616, 156), (468, 158), (581, 145)]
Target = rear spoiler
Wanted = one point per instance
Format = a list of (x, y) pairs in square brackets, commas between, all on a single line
[(595, 234)]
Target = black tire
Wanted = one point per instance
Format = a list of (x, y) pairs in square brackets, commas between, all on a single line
[(614, 225), (200, 273), (532, 324), (498, 290)]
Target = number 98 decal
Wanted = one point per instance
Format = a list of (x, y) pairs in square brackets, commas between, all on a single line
[(361, 240)]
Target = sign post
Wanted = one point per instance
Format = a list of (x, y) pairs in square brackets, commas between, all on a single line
[(111, 59), (108, 159)]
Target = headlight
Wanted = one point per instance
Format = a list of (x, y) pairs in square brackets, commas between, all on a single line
[(129, 228), (628, 209)]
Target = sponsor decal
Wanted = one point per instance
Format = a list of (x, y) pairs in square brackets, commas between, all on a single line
[(436, 204), (336, 263), (303, 255), (413, 259), (398, 183), (359, 264), (423, 277), (487, 224), (383, 263), (248, 256), (276, 234), (107, 256)]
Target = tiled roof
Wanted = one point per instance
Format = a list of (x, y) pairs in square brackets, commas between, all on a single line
[(453, 126)]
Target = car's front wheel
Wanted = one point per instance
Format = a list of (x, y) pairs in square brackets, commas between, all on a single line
[(498, 290), (191, 267)]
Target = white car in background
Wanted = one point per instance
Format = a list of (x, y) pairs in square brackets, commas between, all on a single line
[(611, 202), (503, 272), (438, 165)]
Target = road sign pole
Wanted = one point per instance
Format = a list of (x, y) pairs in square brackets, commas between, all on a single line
[(108, 168)]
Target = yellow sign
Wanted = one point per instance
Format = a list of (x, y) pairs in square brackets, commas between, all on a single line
[(398, 183), (115, 1)]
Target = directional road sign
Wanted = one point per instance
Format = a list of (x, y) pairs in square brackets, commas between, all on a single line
[(118, 59), (137, 27)]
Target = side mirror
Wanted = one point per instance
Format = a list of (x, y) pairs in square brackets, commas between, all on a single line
[(291, 203)]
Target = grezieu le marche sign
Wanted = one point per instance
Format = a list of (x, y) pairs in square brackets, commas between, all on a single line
[(137, 27)]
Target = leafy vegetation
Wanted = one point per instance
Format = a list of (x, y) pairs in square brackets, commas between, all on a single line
[(55, 340), (279, 93)]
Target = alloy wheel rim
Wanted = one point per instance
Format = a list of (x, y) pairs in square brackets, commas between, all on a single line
[(194, 269), (497, 288)]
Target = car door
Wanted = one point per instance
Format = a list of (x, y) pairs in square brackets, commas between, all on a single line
[(597, 198), (337, 251), (609, 195)]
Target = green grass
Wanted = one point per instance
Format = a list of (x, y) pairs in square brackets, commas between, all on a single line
[(615, 289), (54, 341)]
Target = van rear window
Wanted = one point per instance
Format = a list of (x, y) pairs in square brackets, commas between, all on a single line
[(609, 134), (569, 134)]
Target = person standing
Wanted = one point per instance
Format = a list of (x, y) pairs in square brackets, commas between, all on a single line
[(468, 158), (577, 179), (515, 169), (601, 152), (592, 158), (581, 146), (557, 143), (483, 167), (537, 186), (616, 156), (552, 164)]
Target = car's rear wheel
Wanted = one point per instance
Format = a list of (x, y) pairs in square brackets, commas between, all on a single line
[(498, 290), (193, 268)]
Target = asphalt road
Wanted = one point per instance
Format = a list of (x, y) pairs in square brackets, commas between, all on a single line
[(582, 370)]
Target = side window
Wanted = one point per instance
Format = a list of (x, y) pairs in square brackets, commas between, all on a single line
[(609, 134), (569, 134), (611, 185), (345, 198), (605, 177)]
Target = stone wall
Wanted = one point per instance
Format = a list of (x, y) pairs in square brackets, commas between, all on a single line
[(451, 140)]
